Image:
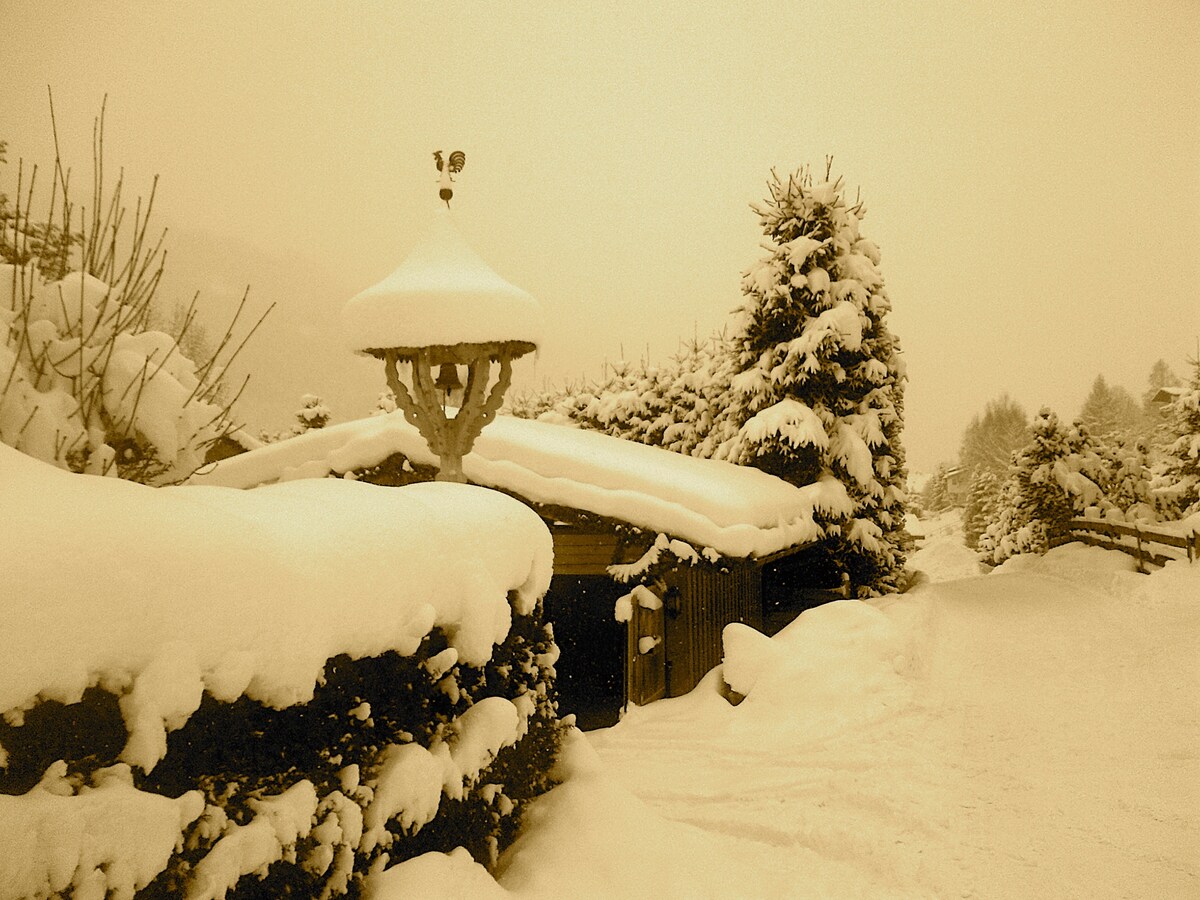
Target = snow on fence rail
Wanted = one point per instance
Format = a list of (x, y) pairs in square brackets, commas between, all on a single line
[(1149, 546)]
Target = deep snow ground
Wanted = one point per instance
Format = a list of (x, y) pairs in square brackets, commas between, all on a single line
[(941, 554), (1030, 733)]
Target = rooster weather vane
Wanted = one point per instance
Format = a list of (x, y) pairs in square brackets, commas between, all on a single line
[(449, 168)]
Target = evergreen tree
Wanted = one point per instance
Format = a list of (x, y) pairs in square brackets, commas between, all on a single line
[(1181, 476), (1058, 475), (819, 388), (697, 395), (809, 384), (24, 240), (981, 506), (630, 404), (313, 413), (935, 496), (991, 439), (1130, 485), (677, 405), (1110, 413)]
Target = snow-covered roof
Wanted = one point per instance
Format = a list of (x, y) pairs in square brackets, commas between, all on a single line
[(736, 510), (1167, 394), (442, 294), (183, 589)]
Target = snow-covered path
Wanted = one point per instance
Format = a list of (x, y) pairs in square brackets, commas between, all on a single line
[(1074, 736), (1030, 733)]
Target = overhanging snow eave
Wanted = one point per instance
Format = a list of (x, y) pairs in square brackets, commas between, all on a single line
[(781, 554)]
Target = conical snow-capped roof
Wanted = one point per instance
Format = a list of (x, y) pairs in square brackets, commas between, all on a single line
[(441, 295)]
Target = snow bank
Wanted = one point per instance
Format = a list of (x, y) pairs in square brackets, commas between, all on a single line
[(450, 875), (943, 560), (1025, 735), (840, 650), (592, 838), (737, 510), (1072, 561), (747, 654), (158, 594)]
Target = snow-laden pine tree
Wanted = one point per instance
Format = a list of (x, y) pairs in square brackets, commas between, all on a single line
[(676, 405), (629, 403), (313, 413), (1058, 475), (700, 385), (1130, 485), (820, 381), (1180, 481), (808, 384)]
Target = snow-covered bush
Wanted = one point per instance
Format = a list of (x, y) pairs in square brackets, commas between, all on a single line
[(209, 692), (385, 403), (87, 382), (23, 242), (88, 388)]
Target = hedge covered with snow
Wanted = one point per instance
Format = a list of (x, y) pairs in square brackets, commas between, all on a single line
[(210, 692)]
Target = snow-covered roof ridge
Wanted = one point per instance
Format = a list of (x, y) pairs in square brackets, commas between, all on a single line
[(442, 294), (736, 510)]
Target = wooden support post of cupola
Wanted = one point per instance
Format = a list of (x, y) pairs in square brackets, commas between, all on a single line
[(451, 437)]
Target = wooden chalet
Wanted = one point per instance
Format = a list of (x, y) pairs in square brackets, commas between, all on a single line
[(607, 503), (697, 601)]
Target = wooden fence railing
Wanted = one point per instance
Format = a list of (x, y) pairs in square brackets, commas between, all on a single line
[(1149, 546)]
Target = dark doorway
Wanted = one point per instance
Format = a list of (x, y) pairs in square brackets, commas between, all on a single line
[(591, 664), (790, 585)]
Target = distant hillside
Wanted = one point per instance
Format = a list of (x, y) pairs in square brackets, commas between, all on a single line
[(297, 349)]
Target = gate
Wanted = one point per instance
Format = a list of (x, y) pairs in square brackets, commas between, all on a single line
[(646, 649)]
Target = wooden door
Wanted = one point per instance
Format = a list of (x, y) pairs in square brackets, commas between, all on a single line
[(646, 652)]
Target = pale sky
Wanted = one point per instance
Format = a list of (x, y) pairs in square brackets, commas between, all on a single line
[(1031, 172)]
